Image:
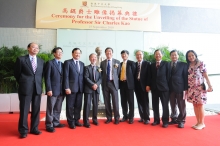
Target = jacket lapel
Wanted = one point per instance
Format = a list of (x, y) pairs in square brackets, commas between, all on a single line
[(74, 65), (28, 61), (56, 65)]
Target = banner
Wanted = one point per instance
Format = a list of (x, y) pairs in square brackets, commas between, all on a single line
[(103, 15)]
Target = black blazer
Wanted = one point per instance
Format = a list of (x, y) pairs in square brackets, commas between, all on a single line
[(179, 78), (53, 78), (160, 77), (145, 74), (25, 76), (89, 79), (130, 74), (73, 79)]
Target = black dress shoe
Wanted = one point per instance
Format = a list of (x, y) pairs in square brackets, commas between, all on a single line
[(146, 122), (23, 135), (155, 123), (123, 119), (86, 125), (108, 121), (180, 125), (116, 122), (172, 122), (141, 120), (72, 126), (60, 126), (78, 124), (36, 132), (165, 125), (131, 121), (95, 123), (50, 129)]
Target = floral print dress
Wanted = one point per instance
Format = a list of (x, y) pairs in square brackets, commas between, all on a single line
[(196, 94)]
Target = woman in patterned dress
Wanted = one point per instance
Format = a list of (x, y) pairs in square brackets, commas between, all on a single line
[(196, 94)]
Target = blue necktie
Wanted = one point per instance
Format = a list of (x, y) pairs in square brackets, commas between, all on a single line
[(77, 66), (59, 65), (108, 71)]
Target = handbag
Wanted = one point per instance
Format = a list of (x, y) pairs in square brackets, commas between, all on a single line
[(203, 86)]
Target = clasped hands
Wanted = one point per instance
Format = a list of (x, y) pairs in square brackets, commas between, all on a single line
[(94, 87)]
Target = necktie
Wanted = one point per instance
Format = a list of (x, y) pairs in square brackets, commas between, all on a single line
[(77, 66), (123, 68), (33, 64), (59, 65), (157, 64), (108, 71), (173, 67), (138, 70), (93, 71)]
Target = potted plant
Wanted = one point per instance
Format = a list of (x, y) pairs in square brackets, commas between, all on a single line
[(149, 56)]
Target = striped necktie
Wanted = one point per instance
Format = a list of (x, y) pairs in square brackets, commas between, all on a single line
[(33, 63)]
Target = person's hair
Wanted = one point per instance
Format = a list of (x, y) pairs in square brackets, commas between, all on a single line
[(108, 48), (157, 50), (97, 48), (187, 60), (139, 51), (76, 49), (173, 51), (29, 45), (124, 51), (55, 49), (92, 54)]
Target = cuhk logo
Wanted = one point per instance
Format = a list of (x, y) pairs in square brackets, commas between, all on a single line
[(84, 3)]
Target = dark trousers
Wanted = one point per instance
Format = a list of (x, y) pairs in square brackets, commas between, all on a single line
[(25, 100), (127, 100), (164, 98), (176, 99), (88, 98), (54, 105), (142, 101), (73, 107), (107, 91)]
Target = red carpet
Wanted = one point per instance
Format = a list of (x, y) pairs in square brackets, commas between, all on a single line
[(123, 134)]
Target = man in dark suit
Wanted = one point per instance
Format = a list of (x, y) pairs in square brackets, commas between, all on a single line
[(73, 85), (160, 72), (54, 89), (29, 73), (126, 85), (110, 84), (92, 77), (142, 87), (178, 84)]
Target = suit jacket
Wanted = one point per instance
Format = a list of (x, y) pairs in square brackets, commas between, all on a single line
[(160, 77), (89, 79), (145, 74), (179, 78), (130, 74), (73, 79), (115, 72), (25, 76), (53, 77)]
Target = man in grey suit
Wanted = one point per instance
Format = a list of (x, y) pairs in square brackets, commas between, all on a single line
[(73, 85), (29, 73), (110, 85), (92, 77), (54, 89), (178, 84)]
